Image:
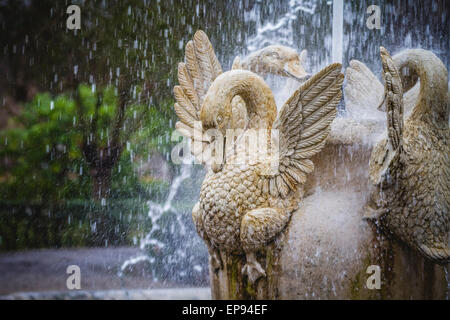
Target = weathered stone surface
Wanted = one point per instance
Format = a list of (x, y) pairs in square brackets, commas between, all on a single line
[(409, 169), (289, 236), (328, 246), (254, 185)]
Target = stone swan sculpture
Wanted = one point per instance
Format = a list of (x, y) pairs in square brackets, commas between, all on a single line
[(275, 59), (280, 61), (410, 168), (244, 205)]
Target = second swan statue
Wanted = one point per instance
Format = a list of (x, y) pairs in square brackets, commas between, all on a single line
[(410, 167)]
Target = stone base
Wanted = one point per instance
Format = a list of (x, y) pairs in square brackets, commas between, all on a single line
[(230, 284), (328, 246)]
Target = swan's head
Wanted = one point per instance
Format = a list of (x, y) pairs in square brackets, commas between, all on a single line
[(216, 115), (278, 60)]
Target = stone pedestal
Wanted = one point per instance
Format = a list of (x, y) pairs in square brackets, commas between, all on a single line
[(328, 246)]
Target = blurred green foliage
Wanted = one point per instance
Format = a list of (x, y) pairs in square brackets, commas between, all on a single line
[(43, 170), (74, 223), (42, 151)]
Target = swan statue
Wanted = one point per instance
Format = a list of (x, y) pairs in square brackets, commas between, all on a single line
[(275, 59), (409, 169), (252, 188), (280, 61)]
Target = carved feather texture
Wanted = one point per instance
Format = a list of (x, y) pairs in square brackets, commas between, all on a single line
[(194, 69), (190, 132), (304, 165), (304, 125), (207, 60), (184, 115), (184, 129), (184, 102), (195, 75), (186, 83), (394, 99)]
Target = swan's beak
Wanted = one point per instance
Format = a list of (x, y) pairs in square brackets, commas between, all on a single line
[(300, 79), (295, 71), (218, 160)]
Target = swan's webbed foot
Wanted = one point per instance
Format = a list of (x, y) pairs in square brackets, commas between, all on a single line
[(253, 268), (258, 227)]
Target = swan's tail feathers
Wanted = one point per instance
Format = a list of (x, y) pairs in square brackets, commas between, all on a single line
[(438, 253), (363, 92)]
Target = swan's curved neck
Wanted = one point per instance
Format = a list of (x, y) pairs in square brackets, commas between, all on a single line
[(432, 104), (253, 63), (258, 97)]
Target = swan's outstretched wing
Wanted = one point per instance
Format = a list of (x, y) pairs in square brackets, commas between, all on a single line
[(304, 124), (393, 91), (363, 91), (195, 76), (386, 156)]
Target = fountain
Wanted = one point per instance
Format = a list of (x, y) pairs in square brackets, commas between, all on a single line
[(329, 249), (357, 209), (326, 249)]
